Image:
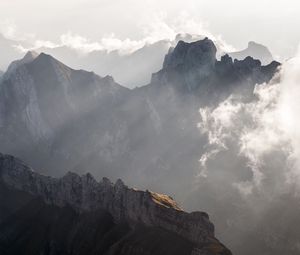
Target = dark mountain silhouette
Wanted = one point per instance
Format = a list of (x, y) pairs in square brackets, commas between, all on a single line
[(59, 119), (77, 215)]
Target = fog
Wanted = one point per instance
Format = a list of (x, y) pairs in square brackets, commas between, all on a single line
[(236, 21), (235, 155), (251, 167)]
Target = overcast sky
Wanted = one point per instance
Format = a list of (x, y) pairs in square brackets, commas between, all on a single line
[(274, 23)]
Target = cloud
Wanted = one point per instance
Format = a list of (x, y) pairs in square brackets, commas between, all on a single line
[(8, 28), (154, 28), (249, 174), (257, 130)]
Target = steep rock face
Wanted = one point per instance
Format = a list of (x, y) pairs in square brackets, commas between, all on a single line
[(131, 70), (57, 118), (41, 99), (193, 67), (85, 195), (196, 54), (35, 82), (255, 50)]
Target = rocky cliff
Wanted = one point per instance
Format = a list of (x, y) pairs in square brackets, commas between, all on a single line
[(194, 68), (85, 195), (56, 118)]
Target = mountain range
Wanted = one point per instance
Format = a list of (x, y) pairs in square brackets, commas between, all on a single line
[(78, 215), (58, 119), (129, 69)]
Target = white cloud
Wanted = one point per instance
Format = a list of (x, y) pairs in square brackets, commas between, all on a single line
[(153, 28), (263, 129), (8, 28)]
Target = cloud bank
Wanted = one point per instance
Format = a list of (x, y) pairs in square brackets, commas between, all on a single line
[(155, 28), (251, 165)]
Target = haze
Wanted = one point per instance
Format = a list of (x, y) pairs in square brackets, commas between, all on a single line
[(273, 23)]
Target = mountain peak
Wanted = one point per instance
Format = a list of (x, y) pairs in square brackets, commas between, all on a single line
[(194, 68), (30, 55), (255, 50), (45, 57), (199, 53), (83, 195), (123, 203)]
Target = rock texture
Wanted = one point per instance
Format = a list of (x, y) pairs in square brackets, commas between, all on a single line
[(193, 68), (85, 195), (57, 118)]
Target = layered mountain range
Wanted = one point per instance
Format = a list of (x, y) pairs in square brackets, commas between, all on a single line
[(78, 215), (59, 119), (130, 68)]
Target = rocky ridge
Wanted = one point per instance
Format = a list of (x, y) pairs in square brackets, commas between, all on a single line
[(193, 67), (85, 194)]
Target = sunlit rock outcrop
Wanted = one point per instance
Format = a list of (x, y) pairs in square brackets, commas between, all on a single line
[(84, 194)]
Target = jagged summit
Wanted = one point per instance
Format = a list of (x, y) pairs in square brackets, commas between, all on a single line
[(194, 68), (197, 53), (30, 55), (84, 195), (47, 61)]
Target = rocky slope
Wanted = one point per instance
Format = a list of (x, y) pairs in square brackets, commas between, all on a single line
[(57, 118), (83, 195), (193, 68), (60, 119)]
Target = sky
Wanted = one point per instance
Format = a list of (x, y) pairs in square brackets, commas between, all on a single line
[(273, 23)]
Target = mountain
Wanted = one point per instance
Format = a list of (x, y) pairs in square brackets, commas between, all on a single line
[(255, 50), (130, 69), (59, 119), (78, 215), (193, 68), (40, 98)]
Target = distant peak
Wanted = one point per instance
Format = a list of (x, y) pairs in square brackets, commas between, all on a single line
[(253, 44), (44, 58), (255, 50), (30, 55), (44, 55)]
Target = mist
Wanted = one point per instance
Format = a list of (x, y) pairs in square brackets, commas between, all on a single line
[(135, 90), (251, 166), (96, 19)]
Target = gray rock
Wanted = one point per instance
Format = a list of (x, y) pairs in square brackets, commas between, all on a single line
[(85, 194)]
